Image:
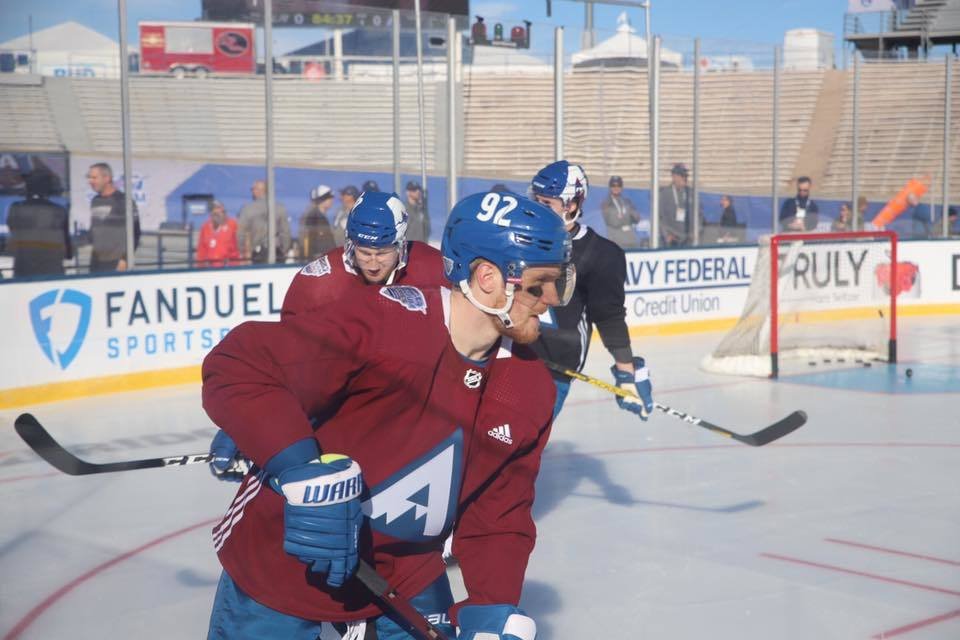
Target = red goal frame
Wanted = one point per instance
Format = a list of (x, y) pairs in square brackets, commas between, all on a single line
[(774, 280)]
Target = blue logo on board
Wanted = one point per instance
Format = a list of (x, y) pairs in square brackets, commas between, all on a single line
[(54, 307)]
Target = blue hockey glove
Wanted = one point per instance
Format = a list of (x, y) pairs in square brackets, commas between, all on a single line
[(322, 516), (638, 383), (228, 463), (495, 622)]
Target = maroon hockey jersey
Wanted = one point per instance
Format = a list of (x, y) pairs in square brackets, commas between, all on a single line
[(440, 439), (329, 278)]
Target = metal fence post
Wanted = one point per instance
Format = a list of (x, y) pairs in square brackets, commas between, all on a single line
[(396, 101), (947, 110), (655, 145), (558, 93), (268, 112), (695, 164), (421, 108), (776, 125), (855, 134), (125, 135), (451, 112)]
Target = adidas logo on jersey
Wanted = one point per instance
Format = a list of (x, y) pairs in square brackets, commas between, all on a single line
[(501, 433)]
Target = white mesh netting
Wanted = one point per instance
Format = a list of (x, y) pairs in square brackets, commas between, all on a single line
[(833, 300)]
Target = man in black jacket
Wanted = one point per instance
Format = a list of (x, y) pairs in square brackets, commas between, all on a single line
[(598, 298), (800, 214), (39, 229)]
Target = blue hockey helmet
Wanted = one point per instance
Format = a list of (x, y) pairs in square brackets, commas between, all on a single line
[(562, 180), (377, 220), (512, 232)]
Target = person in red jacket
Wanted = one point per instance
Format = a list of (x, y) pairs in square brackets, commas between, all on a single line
[(217, 246), (377, 426)]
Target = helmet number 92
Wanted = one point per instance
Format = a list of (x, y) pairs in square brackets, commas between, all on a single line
[(491, 208)]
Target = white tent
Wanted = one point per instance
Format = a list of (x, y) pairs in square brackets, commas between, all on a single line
[(69, 49), (623, 49)]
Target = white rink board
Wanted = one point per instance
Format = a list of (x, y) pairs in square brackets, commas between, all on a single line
[(77, 328), (170, 320), (691, 285)]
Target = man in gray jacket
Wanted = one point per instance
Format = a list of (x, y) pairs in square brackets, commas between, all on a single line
[(620, 215), (254, 230), (676, 215)]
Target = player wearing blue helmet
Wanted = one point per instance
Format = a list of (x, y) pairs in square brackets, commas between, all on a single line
[(376, 252), (430, 391), (597, 300)]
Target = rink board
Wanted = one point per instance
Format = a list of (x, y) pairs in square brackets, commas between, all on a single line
[(72, 337)]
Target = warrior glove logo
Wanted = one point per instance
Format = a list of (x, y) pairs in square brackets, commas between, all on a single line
[(52, 317)]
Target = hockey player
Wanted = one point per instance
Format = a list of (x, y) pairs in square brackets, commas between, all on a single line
[(597, 300), (434, 395), (376, 252)]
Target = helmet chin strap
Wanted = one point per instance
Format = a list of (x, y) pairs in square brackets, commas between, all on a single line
[(571, 219), (502, 313)]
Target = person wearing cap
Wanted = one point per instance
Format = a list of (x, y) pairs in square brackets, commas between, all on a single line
[(217, 245), (418, 227), (369, 185), (316, 234), (348, 198), (620, 215), (676, 202)]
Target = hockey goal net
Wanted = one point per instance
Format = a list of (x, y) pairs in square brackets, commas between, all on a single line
[(818, 297)]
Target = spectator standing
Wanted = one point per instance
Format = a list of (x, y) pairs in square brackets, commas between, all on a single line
[(843, 222), (254, 227), (861, 212), (419, 226), (620, 215), (316, 234), (676, 199), (39, 229), (108, 221), (919, 215), (348, 198), (217, 246), (800, 214), (728, 221)]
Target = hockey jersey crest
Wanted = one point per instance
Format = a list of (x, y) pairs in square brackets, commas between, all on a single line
[(317, 268), (410, 298)]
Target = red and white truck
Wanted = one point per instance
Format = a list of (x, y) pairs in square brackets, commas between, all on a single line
[(197, 48)]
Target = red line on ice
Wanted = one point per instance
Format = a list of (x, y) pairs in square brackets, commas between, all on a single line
[(895, 552), (913, 626), (31, 477), (862, 574), (52, 599)]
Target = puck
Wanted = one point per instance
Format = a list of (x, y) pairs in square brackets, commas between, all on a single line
[(909, 373)]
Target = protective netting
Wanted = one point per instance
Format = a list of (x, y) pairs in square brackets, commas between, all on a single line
[(833, 303)]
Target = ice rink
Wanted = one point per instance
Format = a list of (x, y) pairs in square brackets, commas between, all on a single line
[(848, 528)]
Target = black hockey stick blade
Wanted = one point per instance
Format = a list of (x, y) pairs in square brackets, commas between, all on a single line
[(43, 444), (766, 435), (399, 605), (775, 431)]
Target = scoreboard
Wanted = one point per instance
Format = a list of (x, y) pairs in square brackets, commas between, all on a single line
[(366, 14)]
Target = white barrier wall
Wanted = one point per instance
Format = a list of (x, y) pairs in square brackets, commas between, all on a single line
[(75, 329), (74, 336), (701, 289)]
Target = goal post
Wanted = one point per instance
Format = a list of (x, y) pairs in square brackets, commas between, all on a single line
[(817, 297)]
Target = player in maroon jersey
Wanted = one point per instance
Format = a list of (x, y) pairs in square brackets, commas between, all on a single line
[(376, 252), (434, 394)]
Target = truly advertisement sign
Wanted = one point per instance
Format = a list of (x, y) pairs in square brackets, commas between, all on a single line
[(88, 327)]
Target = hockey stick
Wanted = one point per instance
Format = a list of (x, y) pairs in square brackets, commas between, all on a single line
[(766, 435), (44, 445)]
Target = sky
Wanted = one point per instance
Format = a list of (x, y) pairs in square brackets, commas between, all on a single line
[(754, 21)]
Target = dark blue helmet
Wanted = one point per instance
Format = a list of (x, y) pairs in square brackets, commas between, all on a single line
[(377, 220), (509, 230), (562, 180)]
